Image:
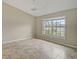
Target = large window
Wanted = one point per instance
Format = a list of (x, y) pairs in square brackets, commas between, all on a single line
[(54, 27)]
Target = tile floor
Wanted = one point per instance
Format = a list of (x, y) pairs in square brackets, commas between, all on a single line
[(37, 49)]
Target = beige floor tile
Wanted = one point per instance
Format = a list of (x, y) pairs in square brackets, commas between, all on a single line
[(37, 49)]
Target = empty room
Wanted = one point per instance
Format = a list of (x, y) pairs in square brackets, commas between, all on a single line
[(39, 29)]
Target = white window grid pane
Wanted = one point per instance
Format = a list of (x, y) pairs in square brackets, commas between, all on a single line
[(58, 24)]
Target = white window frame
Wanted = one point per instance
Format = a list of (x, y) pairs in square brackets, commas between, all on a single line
[(56, 19)]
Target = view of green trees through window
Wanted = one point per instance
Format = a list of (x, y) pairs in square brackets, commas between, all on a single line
[(55, 27)]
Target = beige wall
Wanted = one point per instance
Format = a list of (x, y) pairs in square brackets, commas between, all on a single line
[(71, 27), (16, 24)]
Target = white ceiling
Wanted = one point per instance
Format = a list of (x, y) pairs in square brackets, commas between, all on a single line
[(43, 6)]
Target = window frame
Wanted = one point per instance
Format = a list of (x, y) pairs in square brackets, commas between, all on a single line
[(56, 18)]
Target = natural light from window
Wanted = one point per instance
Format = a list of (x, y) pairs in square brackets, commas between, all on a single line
[(54, 27)]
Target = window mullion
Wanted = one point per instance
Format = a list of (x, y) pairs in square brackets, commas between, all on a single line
[(52, 27), (56, 29), (60, 28)]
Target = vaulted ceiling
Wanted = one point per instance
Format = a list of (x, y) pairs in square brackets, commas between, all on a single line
[(44, 7)]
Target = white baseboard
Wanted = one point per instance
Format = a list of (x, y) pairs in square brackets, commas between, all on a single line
[(15, 40), (66, 44), (73, 46)]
